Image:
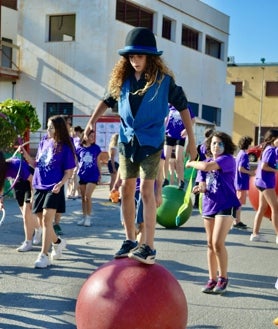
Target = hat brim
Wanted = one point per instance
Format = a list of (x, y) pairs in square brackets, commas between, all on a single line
[(142, 51)]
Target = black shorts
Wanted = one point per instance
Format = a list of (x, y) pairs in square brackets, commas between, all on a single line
[(109, 165), (225, 212), (82, 182), (22, 190), (173, 141), (261, 189), (44, 199)]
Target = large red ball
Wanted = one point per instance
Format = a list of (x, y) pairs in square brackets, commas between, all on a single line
[(254, 195), (125, 294)]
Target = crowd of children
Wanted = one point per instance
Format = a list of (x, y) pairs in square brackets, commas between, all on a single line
[(69, 165)]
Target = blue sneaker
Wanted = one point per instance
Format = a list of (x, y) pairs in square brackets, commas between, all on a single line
[(143, 254), (126, 247), (221, 285)]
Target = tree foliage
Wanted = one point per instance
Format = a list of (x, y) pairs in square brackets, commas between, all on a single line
[(16, 118)]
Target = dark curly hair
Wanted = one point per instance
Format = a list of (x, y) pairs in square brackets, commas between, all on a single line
[(245, 142), (229, 146)]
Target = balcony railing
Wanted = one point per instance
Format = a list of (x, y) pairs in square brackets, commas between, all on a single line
[(9, 61)]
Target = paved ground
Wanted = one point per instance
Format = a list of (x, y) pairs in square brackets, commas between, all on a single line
[(34, 298)]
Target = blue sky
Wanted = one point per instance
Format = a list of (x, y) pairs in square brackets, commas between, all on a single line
[(253, 29)]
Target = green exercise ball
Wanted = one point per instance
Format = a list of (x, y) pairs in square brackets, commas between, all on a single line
[(172, 200)]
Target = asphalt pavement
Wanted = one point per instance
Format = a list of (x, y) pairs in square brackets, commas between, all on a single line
[(46, 298)]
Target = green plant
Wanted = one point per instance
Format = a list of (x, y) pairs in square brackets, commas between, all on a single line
[(16, 118)]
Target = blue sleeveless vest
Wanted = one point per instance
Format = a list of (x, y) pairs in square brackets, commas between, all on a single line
[(148, 124)]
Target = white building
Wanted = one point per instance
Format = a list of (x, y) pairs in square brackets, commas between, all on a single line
[(68, 48)]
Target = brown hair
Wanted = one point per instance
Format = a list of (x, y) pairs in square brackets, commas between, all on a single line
[(154, 72), (61, 134), (269, 138), (229, 146)]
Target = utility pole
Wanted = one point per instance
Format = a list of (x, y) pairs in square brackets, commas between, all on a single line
[(261, 103)]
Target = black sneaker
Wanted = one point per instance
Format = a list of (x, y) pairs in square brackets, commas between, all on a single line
[(166, 182), (143, 254), (126, 247), (240, 225), (181, 186)]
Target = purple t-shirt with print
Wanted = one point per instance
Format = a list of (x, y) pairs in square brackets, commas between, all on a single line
[(174, 123), (51, 164), (87, 158), (220, 189), (13, 165), (242, 179), (266, 179)]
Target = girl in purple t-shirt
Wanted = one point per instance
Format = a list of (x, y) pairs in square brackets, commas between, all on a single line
[(54, 164), (175, 137), (265, 183), (89, 173), (22, 173), (219, 205), (243, 174)]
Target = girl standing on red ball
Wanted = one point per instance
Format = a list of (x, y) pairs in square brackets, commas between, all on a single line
[(143, 86)]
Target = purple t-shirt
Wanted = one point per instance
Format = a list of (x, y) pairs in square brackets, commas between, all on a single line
[(242, 179), (13, 166), (51, 164), (174, 124), (87, 158), (220, 193), (266, 179)]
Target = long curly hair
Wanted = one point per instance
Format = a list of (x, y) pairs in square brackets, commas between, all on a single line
[(3, 170), (229, 146), (154, 72), (61, 135)]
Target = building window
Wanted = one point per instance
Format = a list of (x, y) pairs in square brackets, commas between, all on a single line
[(62, 28), (238, 89), (134, 15), (271, 88), (57, 109), (213, 47), (190, 38), (166, 28), (211, 114), (7, 53)]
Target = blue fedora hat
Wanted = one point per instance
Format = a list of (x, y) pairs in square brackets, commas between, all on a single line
[(140, 40)]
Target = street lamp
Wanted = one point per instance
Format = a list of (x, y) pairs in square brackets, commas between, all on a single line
[(261, 103)]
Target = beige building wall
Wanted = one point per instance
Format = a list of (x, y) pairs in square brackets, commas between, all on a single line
[(253, 109)]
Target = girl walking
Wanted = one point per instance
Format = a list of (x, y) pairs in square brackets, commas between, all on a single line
[(89, 172), (220, 203), (23, 194), (243, 174), (54, 164), (265, 183)]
